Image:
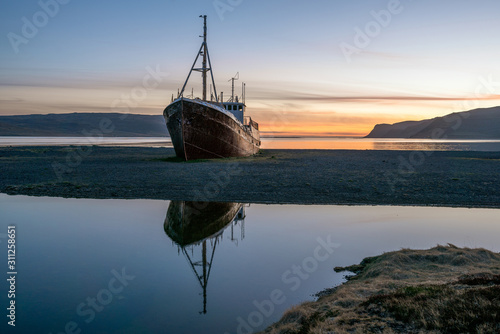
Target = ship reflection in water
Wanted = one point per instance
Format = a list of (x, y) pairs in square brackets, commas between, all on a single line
[(197, 227)]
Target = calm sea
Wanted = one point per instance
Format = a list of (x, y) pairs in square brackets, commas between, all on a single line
[(145, 266), (276, 143)]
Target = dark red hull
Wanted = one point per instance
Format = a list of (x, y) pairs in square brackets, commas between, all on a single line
[(201, 130)]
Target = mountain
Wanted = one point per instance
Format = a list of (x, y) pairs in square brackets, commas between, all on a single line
[(78, 124), (473, 124)]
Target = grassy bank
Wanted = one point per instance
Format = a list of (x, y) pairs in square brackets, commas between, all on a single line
[(441, 290)]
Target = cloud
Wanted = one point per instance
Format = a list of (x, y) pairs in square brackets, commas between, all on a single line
[(311, 134), (390, 55), (11, 100), (318, 117), (364, 98)]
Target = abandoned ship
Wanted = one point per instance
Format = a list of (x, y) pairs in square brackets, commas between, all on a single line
[(210, 129)]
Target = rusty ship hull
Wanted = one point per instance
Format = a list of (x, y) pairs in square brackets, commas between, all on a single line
[(204, 130)]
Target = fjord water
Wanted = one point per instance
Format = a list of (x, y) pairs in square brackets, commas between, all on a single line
[(335, 143), (108, 141), (129, 266), (305, 143)]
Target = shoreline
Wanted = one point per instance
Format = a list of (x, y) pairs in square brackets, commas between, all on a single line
[(444, 289), (316, 177)]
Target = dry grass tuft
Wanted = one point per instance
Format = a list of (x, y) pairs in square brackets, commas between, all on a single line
[(445, 289)]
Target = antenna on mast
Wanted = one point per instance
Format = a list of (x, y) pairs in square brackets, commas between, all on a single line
[(236, 77), (243, 93)]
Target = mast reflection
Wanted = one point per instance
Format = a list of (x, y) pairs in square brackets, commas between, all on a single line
[(197, 228)]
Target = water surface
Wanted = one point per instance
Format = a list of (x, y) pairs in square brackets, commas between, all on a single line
[(329, 143), (381, 144), (70, 252), (104, 141)]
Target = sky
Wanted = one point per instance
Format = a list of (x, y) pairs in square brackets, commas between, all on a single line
[(318, 67)]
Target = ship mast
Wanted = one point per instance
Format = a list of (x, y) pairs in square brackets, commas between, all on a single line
[(236, 77), (204, 69), (204, 63)]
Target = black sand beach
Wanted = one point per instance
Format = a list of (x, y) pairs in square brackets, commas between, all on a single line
[(467, 179)]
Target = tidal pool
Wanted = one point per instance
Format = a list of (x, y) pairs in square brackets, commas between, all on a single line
[(148, 266)]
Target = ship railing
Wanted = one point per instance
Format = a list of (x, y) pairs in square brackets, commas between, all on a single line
[(249, 121)]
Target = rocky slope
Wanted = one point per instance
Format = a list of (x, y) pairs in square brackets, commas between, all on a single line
[(80, 124), (473, 124)]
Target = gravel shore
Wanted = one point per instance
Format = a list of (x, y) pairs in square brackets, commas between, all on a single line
[(441, 178)]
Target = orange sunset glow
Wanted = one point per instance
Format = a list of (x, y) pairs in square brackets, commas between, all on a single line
[(316, 69)]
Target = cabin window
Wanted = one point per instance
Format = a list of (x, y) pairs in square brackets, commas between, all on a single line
[(240, 107)]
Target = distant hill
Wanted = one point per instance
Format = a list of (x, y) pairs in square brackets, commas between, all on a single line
[(77, 124), (474, 124)]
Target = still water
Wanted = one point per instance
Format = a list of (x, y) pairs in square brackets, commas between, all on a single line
[(105, 141), (148, 266), (381, 144), (330, 143)]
